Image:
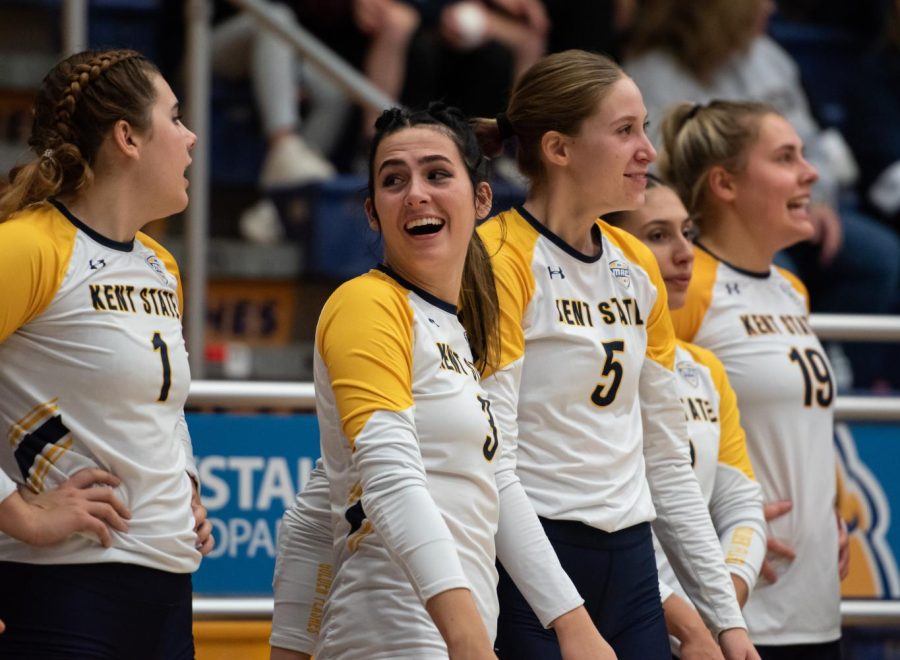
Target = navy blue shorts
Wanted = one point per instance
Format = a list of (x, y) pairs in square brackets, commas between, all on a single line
[(94, 612), (616, 575)]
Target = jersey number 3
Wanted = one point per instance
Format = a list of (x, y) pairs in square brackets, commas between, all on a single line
[(491, 442), (605, 393)]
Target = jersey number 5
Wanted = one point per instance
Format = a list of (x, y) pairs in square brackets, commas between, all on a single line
[(816, 377), (605, 393)]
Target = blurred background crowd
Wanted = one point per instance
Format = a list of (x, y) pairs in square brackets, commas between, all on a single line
[(288, 145)]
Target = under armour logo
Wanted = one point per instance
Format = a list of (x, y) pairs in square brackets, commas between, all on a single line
[(558, 271), (732, 288), (96, 264)]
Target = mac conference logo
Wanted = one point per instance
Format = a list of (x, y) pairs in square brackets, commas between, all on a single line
[(157, 267), (689, 372), (621, 272)]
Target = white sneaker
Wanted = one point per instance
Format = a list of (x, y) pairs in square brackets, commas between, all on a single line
[(260, 223), (291, 162)]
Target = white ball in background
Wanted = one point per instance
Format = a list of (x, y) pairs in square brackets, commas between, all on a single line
[(471, 21)]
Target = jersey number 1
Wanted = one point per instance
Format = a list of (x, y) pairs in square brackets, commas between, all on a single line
[(160, 345)]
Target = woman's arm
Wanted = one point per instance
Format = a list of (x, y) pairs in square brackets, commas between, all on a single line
[(83, 503), (683, 623), (303, 569)]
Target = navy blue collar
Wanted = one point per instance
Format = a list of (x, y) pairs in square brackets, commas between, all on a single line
[(126, 246), (743, 271), (560, 243), (422, 293)]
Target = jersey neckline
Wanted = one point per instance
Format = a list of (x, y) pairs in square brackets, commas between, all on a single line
[(121, 246), (743, 271), (560, 243), (422, 293)]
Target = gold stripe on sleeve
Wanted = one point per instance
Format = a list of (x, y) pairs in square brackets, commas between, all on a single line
[(732, 439), (365, 339)]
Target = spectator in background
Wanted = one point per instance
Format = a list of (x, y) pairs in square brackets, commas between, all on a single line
[(499, 39), (874, 101), (685, 51), (598, 26), (243, 48), (390, 25)]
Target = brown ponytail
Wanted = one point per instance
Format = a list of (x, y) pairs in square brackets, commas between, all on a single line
[(480, 308), (78, 102)]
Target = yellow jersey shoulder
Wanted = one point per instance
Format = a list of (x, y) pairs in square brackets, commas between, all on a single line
[(372, 301), (635, 251), (36, 246), (795, 282), (508, 236)]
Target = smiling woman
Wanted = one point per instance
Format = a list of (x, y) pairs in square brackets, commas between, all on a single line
[(422, 202), (408, 439), (718, 447), (414, 464), (584, 391), (95, 374), (740, 171)]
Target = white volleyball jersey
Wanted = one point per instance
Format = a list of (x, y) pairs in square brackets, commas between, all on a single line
[(757, 324), (94, 373), (408, 443), (720, 461), (586, 396)]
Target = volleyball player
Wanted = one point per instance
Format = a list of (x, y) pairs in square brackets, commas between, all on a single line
[(740, 171), (718, 446), (95, 371), (409, 441), (585, 390)]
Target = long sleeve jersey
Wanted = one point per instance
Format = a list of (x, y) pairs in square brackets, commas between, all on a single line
[(408, 446), (757, 324), (722, 465), (95, 374), (586, 398)]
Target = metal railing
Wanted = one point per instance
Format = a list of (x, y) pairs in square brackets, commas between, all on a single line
[(301, 396), (853, 612), (859, 327)]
